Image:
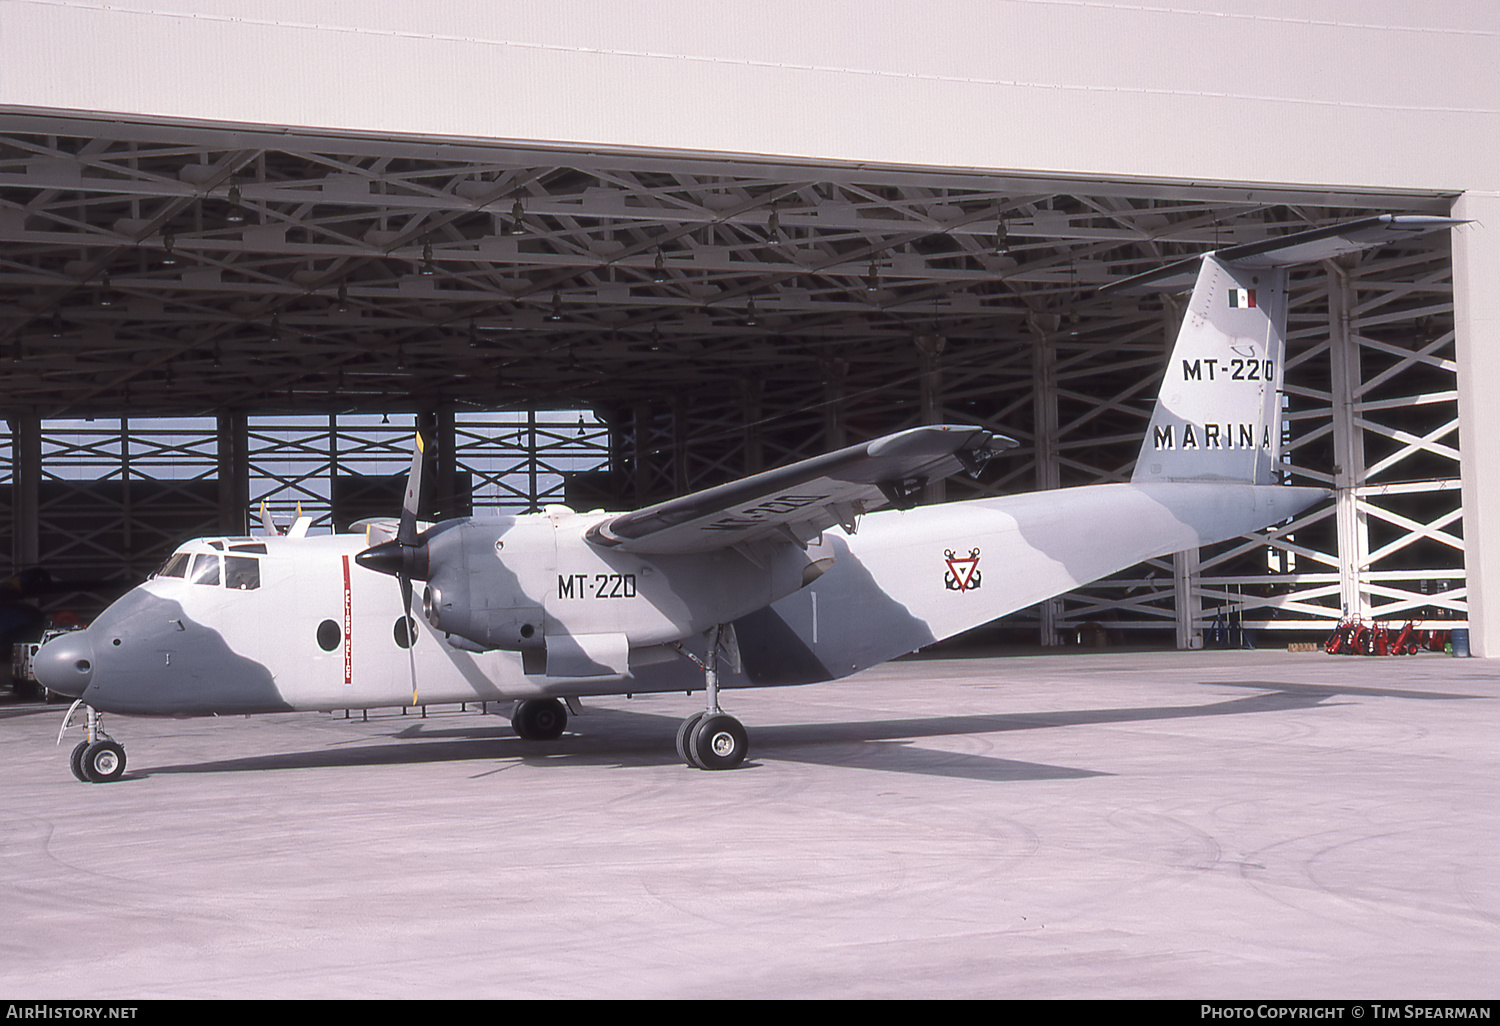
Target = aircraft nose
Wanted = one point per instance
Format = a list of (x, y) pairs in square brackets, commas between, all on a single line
[(66, 664)]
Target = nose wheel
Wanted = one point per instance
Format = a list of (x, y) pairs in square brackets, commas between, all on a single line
[(98, 762), (99, 758)]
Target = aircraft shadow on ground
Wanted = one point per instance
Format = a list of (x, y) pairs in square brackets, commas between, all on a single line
[(1330, 690), (615, 738)]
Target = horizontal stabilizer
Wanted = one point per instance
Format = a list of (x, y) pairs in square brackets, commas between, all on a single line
[(796, 502), (1290, 250)]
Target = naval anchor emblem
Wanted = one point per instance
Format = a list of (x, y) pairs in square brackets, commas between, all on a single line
[(963, 572)]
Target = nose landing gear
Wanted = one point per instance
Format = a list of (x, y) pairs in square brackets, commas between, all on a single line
[(98, 758)]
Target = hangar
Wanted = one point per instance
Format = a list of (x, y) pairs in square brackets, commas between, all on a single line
[(617, 257)]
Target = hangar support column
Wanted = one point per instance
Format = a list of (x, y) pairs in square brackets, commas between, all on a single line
[(234, 472), (750, 408), (835, 372), (1352, 523), (679, 447), (1044, 431), (26, 478), (439, 425), (1476, 310), (930, 399), (640, 454)]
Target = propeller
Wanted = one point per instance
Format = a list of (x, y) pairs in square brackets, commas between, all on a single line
[(405, 556), (406, 537)]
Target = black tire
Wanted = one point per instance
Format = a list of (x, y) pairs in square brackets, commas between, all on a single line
[(540, 719), (103, 761), (75, 761), (718, 742), (683, 733)]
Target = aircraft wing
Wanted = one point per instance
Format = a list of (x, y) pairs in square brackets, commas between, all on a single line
[(796, 502)]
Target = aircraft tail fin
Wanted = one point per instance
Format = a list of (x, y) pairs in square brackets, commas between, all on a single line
[(1217, 415)]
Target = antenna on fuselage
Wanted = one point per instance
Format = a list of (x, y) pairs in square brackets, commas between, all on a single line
[(267, 522)]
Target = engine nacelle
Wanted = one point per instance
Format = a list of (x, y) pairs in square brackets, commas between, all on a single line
[(534, 584), (473, 593)]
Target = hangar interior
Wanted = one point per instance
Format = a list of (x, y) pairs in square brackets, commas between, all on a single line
[(196, 320)]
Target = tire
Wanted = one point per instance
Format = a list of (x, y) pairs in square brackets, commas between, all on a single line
[(540, 719), (718, 742), (102, 761), (683, 733), (75, 761)]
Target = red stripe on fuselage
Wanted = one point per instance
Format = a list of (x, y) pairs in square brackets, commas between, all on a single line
[(348, 626)]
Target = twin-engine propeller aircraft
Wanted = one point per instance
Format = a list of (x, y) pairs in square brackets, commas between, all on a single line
[(795, 575)]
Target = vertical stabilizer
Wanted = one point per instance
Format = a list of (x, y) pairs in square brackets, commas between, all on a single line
[(1216, 416)]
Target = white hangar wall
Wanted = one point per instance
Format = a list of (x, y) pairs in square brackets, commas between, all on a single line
[(1372, 95), (1377, 93)]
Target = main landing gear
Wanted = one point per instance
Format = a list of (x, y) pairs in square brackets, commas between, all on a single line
[(712, 739), (539, 719), (98, 758)]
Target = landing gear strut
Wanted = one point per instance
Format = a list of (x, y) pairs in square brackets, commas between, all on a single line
[(712, 739), (98, 758)]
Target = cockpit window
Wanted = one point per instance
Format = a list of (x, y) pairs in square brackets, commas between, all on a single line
[(241, 573), (206, 569), (175, 566), (249, 547)]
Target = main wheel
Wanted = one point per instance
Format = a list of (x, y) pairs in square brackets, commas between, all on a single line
[(75, 761), (684, 732), (540, 719), (718, 742), (102, 761)]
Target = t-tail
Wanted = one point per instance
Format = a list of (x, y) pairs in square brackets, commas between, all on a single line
[(1217, 417)]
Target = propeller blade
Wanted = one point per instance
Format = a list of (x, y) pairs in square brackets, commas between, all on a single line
[(406, 533), (406, 537), (411, 634)]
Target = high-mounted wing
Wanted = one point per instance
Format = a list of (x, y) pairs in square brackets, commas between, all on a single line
[(795, 502)]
